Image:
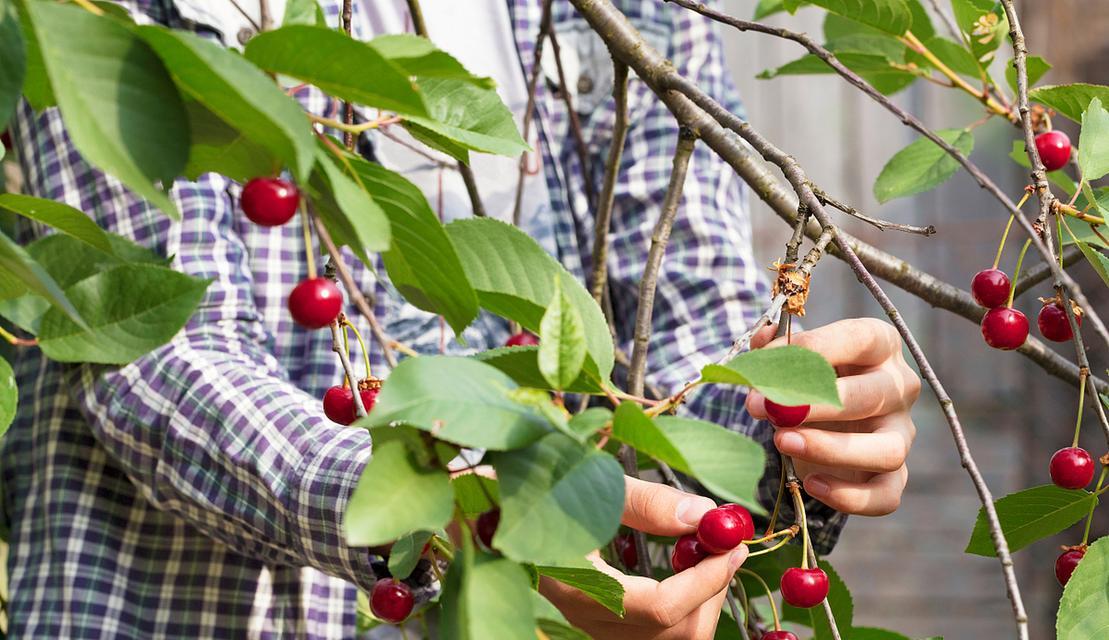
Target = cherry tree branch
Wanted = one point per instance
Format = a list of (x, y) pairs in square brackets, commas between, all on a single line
[(529, 109), (881, 225), (599, 281), (572, 116)]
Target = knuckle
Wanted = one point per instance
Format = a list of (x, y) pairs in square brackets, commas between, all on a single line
[(661, 614)]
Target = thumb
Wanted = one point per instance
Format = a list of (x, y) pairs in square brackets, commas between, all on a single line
[(764, 335), (661, 510)]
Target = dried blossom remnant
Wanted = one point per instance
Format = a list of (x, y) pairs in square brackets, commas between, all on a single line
[(1058, 300), (794, 284), (985, 27), (1041, 117), (369, 384)]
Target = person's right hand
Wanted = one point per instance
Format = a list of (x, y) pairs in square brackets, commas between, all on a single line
[(685, 606)]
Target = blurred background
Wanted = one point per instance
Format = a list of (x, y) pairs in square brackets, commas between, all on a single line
[(908, 571)]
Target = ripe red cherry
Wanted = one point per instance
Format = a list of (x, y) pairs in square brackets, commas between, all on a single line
[(338, 405), (1054, 148), (720, 530), (1072, 468), (747, 523), (1066, 563), (522, 339), (487, 526), (1004, 328), (990, 287), (687, 553), (778, 635), (804, 588), (391, 600), (6, 139), (269, 202), (626, 549), (315, 302), (1053, 323), (781, 415)]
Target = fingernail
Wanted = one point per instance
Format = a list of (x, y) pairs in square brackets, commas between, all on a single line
[(791, 443), (737, 557), (690, 510), (816, 487)]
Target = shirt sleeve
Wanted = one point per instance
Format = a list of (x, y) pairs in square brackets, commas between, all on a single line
[(208, 426), (710, 290)]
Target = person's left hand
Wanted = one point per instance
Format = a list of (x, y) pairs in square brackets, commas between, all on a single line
[(853, 458)]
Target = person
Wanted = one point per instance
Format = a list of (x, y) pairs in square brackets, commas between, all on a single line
[(199, 491)]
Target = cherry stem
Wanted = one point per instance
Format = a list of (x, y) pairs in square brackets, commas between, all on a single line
[(1081, 405), (1016, 274), (439, 545), (767, 538), (1005, 236), (769, 596), (762, 552), (354, 128), (799, 506), (346, 347), (1090, 517), (777, 500), (362, 345), (308, 250)]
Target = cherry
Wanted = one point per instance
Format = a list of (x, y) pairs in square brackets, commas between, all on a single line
[(804, 588), (6, 139), (781, 415), (270, 202), (487, 526), (1053, 323), (315, 302), (1004, 328), (1072, 468), (747, 523), (721, 530), (391, 600), (1054, 148), (687, 553), (626, 549), (338, 402), (778, 635), (990, 287), (522, 339), (1066, 563)]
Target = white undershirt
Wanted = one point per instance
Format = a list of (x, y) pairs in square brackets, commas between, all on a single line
[(479, 34)]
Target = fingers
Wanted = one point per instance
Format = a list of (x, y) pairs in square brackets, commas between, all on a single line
[(880, 451), (661, 510), (763, 336), (873, 393), (879, 496), (854, 341), (667, 603)]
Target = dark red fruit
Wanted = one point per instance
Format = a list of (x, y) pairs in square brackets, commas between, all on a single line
[(1072, 468), (487, 526), (1066, 563), (369, 389), (747, 523), (720, 530), (626, 549), (391, 600), (1053, 323), (781, 415), (315, 302), (522, 339), (338, 405), (269, 202), (1004, 328), (687, 553), (804, 588), (6, 139), (990, 287), (1054, 148), (778, 635)]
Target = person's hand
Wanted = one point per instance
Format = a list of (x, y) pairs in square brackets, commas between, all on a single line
[(685, 606), (853, 459)]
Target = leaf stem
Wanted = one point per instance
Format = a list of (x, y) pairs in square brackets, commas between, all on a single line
[(15, 340), (354, 128)]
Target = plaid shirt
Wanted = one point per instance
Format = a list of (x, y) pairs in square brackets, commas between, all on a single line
[(199, 491)]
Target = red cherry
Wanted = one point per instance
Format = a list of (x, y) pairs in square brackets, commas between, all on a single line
[(269, 202), (778, 635), (1072, 468), (391, 600), (781, 415), (1053, 323), (687, 553), (1054, 148), (804, 588), (1066, 563), (487, 526), (1004, 328), (747, 523), (6, 139), (720, 530), (990, 287), (369, 395), (626, 549), (522, 339), (338, 405), (315, 302)]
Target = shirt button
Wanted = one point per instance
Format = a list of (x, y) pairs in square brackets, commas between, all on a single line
[(585, 83), (245, 34)]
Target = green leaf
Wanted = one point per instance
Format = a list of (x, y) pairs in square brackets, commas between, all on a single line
[(1030, 515), (238, 93), (20, 273), (1070, 99), (839, 597), (874, 68), (561, 340), (921, 166), (58, 215), (9, 396), (303, 12), (922, 22), (522, 365), (514, 278), (1096, 259), (1059, 177), (486, 598), (219, 147), (601, 587), (459, 400), (954, 55), (1084, 608), (464, 117), (342, 67), (590, 421), (472, 493), (551, 621), (891, 16), (13, 61), (1036, 67), (560, 500), (36, 83), (788, 375), (418, 57), (347, 208), (1093, 143), (634, 428), (120, 106), (130, 309), (406, 552), (983, 24), (874, 633), (396, 494), (728, 464), (767, 8)]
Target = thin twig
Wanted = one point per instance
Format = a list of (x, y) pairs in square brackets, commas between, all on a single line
[(264, 15), (599, 281), (572, 115), (348, 107), (417, 16), (249, 18), (344, 357), (948, 21), (739, 621), (529, 110), (875, 222)]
